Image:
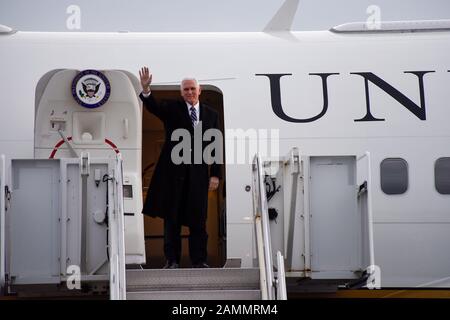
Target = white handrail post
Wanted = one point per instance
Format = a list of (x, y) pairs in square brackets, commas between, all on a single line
[(281, 276), (294, 165), (368, 191), (117, 236), (369, 209), (263, 231), (262, 275), (258, 229)]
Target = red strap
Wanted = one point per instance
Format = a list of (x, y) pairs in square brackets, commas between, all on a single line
[(61, 142)]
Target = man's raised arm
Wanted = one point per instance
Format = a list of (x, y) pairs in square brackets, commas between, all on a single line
[(147, 97)]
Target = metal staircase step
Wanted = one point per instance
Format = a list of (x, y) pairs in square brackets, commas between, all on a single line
[(196, 295), (187, 280)]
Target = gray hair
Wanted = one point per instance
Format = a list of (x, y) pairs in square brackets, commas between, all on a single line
[(189, 79)]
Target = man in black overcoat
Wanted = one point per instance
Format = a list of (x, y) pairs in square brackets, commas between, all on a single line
[(178, 192)]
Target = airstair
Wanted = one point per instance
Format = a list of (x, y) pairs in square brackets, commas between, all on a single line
[(68, 212), (226, 283), (67, 215)]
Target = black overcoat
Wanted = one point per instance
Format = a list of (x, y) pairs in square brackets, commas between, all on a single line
[(180, 191)]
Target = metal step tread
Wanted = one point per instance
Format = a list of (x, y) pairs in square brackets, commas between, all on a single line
[(196, 295), (192, 279)]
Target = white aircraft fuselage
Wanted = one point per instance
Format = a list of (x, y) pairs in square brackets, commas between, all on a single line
[(326, 93)]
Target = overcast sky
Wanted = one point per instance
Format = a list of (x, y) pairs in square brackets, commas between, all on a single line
[(204, 15)]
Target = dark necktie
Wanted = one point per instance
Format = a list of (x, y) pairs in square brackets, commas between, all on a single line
[(193, 116)]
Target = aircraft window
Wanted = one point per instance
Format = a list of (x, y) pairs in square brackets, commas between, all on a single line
[(394, 175), (442, 175)]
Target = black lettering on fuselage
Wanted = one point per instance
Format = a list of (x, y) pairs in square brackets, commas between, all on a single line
[(275, 93), (418, 111)]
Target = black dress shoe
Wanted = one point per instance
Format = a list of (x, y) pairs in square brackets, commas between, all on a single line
[(200, 265), (171, 265)]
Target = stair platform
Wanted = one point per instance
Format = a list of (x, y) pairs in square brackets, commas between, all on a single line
[(194, 284)]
